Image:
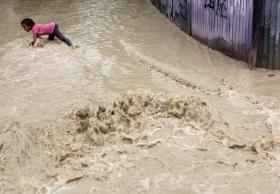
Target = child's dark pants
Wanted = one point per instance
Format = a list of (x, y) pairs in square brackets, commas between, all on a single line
[(60, 36)]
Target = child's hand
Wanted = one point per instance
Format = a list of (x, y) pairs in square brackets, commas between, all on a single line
[(31, 43)]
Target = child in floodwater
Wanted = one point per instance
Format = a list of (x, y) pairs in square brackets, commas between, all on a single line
[(50, 29)]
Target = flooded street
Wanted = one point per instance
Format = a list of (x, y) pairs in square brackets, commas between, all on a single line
[(42, 83), (140, 107)]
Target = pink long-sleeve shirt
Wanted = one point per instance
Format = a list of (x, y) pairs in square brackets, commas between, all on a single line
[(43, 29)]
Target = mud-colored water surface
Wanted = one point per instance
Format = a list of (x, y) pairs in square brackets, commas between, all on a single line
[(140, 107)]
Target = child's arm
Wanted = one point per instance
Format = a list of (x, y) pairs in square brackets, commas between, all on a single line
[(35, 36)]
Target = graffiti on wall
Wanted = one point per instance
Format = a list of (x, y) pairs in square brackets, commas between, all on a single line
[(224, 25), (218, 6)]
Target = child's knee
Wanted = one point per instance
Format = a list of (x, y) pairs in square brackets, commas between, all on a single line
[(51, 38)]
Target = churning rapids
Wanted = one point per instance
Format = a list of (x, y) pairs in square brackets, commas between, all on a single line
[(140, 107)]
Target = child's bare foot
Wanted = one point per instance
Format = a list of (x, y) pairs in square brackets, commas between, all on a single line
[(74, 46)]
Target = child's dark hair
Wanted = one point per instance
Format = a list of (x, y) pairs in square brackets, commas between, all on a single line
[(28, 22)]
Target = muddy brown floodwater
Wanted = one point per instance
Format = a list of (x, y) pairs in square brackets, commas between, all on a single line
[(140, 107)]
